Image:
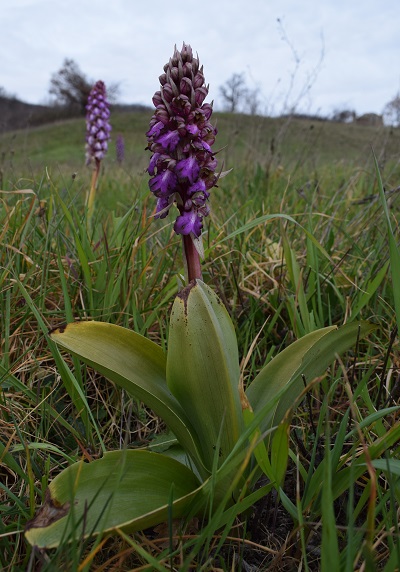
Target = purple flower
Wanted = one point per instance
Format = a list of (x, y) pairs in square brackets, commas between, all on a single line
[(97, 123), (163, 205), (199, 185), (120, 148), (188, 169), (180, 136), (155, 129), (163, 184), (188, 222), (153, 163), (168, 140)]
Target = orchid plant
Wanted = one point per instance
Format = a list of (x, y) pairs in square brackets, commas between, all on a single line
[(98, 130), (222, 436)]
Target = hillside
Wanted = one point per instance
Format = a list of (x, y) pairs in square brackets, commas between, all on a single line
[(295, 147), (16, 114)]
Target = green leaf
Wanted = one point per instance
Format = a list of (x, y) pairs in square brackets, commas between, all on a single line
[(370, 420), (280, 452), (394, 252), (7, 460), (330, 556), (388, 465), (135, 364), (260, 450), (129, 489), (369, 290), (305, 359), (343, 477), (203, 369), (290, 506), (295, 275)]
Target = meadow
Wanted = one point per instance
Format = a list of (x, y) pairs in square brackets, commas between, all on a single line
[(336, 262)]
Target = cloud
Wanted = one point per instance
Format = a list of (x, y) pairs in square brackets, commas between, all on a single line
[(127, 44)]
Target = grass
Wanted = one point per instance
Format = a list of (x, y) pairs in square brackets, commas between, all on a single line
[(336, 262)]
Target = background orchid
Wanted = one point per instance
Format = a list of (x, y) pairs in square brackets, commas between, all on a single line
[(98, 130)]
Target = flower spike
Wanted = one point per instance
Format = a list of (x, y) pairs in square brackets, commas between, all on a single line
[(97, 123), (182, 167), (97, 136)]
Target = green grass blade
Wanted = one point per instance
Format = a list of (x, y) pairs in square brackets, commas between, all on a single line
[(330, 557), (393, 248), (306, 358)]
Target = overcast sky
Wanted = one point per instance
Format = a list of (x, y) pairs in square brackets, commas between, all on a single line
[(348, 51)]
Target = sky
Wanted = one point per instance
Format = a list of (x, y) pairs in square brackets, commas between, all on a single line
[(315, 55)]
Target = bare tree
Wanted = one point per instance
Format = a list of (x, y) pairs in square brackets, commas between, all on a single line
[(296, 94), (234, 92), (70, 87), (391, 111)]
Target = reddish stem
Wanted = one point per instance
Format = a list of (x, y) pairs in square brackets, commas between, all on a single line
[(193, 266)]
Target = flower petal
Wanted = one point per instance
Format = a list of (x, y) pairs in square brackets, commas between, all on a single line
[(163, 206), (163, 184), (188, 169), (188, 222), (199, 185), (155, 129), (153, 163), (168, 140)]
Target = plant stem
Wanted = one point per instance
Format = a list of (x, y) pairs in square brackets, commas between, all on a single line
[(192, 259), (92, 192)]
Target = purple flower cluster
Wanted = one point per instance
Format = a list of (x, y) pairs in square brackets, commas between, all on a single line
[(97, 123), (120, 148), (182, 167)]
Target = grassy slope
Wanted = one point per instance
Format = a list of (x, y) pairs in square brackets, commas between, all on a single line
[(245, 139)]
